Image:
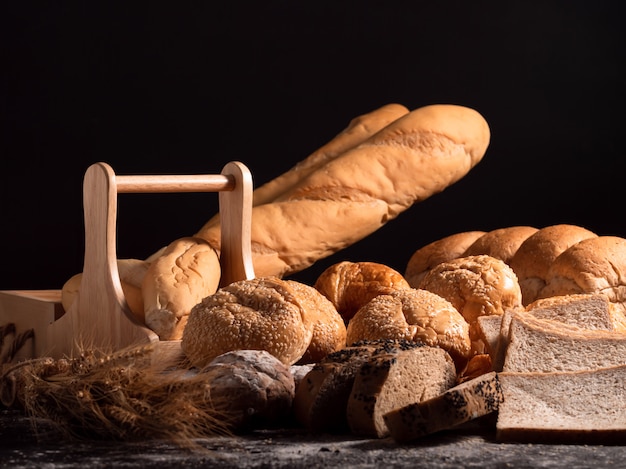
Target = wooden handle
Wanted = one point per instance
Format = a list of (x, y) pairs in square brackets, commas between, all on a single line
[(100, 316)]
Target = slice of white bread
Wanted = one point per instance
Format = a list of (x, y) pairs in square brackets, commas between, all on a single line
[(388, 381), (467, 401), (539, 345), (578, 407), (586, 311)]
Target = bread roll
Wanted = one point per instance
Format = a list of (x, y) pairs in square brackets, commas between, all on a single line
[(476, 286), (536, 254), (329, 330), (594, 265), (258, 314), (501, 243), (413, 315), (350, 285), (441, 250)]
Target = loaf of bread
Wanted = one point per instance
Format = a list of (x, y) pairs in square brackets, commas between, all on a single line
[(254, 387), (415, 315), (389, 381), (348, 197), (577, 407), (442, 250), (536, 254), (350, 285), (467, 401), (322, 395)]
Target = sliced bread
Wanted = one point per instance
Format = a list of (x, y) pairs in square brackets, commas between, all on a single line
[(539, 345), (388, 381), (581, 407), (322, 395), (467, 401)]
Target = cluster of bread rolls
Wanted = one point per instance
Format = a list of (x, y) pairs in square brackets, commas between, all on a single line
[(379, 166)]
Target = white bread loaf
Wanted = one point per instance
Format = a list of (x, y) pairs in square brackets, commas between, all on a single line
[(536, 254), (441, 250), (352, 195), (577, 407), (467, 401), (388, 381)]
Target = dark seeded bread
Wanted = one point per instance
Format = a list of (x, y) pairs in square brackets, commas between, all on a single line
[(467, 401), (388, 381), (322, 395)]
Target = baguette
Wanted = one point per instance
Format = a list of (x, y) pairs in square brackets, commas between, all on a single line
[(350, 196)]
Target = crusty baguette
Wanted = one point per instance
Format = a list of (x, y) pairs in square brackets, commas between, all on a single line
[(354, 194), (467, 401)]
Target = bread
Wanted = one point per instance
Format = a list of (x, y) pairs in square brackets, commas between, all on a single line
[(388, 381), (189, 270), (414, 315), (258, 314), (255, 388), (441, 250), (536, 254), (539, 345), (350, 285), (476, 286), (501, 243), (322, 395), (353, 195), (594, 265), (577, 407), (467, 401), (586, 311), (329, 330)]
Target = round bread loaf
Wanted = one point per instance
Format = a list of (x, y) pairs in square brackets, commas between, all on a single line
[(258, 314), (350, 285), (593, 265), (438, 251), (253, 387), (536, 254), (476, 286), (329, 330), (413, 315), (501, 243)]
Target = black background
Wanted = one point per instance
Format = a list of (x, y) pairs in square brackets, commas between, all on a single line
[(184, 87)]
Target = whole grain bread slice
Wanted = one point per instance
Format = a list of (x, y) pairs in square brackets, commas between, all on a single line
[(467, 401), (578, 407), (388, 381)]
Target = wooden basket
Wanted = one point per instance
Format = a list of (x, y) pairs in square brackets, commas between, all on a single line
[(100, 316)]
